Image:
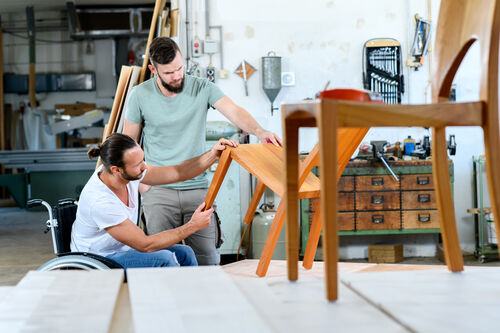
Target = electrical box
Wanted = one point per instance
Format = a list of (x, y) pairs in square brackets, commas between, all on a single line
[(210, 46), (196, 48), (211, 74)]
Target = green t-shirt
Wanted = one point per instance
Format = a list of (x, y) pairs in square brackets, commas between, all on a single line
[(174, 128)]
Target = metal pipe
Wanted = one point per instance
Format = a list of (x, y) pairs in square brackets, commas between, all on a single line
[(188, 33)]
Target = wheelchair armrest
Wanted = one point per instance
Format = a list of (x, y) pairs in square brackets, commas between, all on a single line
[(34, 203)]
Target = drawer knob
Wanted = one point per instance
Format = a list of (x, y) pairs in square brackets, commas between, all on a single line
[(378, 219), (424, 198), (377, 181), (424, 217), (423, 180), (377, 199)]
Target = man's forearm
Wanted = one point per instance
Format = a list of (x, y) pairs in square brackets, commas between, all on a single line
[(167, 238), (245, 121), (195, 166)]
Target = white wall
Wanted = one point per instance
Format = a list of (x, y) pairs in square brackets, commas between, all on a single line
[(322, 41)]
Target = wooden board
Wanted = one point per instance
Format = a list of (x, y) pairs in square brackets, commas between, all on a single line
[(58, 301), (123, 81), (134, 78), (265, 162), (159, 5), (190, 299)]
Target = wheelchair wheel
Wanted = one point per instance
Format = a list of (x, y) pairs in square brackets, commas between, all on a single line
[(73, 262)]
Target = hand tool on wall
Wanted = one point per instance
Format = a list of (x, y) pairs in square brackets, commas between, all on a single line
[(420, 43), (382, 69), (245, 71), (452, 145)]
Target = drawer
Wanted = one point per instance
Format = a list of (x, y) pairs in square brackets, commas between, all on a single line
[(346, 201), (417, 182), (345, 221), (418, 200), (346, 183), (377, 200), (377, 220), (376, 183), (420, 219)]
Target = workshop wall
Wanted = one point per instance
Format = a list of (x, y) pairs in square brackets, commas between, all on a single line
[(56, 53), (321, 41)]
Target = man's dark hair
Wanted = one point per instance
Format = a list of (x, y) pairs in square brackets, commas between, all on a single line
[(162, 50), (112, 149)]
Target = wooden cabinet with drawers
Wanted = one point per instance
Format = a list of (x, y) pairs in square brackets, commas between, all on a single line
[(371, 201)]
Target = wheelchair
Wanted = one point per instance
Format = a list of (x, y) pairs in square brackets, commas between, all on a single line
[(61, 218)]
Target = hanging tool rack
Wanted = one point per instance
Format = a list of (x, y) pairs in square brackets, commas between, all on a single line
[(382, 69)]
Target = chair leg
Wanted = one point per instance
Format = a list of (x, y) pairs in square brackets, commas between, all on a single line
[(312, 241), (254, 202), (491, 142), (291, 150), (441, 175), (220, 173), (271, 240), (327, 126)]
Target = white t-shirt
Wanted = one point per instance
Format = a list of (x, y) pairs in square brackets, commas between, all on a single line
[(100, 208)]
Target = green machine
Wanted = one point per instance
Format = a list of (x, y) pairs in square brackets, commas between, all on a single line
[(48, 174)]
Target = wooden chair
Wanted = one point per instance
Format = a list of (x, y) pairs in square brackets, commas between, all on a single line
[(461, 23), (265, 162)]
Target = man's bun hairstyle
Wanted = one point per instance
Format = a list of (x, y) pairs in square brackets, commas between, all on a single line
[(111, 151)]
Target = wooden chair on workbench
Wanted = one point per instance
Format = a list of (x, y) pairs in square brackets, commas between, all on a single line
[(460, 24)]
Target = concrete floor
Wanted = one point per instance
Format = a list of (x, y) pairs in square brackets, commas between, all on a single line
[(24, 246)]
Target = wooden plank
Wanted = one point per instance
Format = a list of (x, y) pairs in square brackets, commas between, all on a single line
[(120, 90), (134, 78), (433, 300), (301, 307), (159, 5), (190, 299), (55, 301)]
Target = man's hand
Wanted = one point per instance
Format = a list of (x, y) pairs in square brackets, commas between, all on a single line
[(201, 219), (266, 136), (221, 145)]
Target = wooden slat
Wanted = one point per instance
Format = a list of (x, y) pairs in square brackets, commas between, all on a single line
[(58, 301), (359, 114), (123, 81), (365, 114), (159, 5), (254, 202), (190, 299), (134, 77)]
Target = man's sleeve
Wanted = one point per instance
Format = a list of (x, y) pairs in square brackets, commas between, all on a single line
[(214, 93), (106, 213), (133, 112)]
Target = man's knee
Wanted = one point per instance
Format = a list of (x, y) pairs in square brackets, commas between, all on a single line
[(184, 254), (167, 258)]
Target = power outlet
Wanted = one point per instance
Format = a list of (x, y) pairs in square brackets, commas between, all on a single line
[(211, 74)]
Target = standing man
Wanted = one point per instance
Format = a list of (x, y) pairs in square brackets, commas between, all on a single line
[(171, 108)]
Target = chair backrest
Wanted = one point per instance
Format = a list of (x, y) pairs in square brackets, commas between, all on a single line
[(65, 214), (460, 24)]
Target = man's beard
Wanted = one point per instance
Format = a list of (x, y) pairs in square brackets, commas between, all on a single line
[(127, 176), (173, 89)]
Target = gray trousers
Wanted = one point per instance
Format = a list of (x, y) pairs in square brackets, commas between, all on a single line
[(167, 209)]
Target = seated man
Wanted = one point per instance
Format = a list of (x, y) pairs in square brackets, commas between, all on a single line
[(108, 206)]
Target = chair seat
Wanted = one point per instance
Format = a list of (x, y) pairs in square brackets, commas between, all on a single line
[(265, 161)]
